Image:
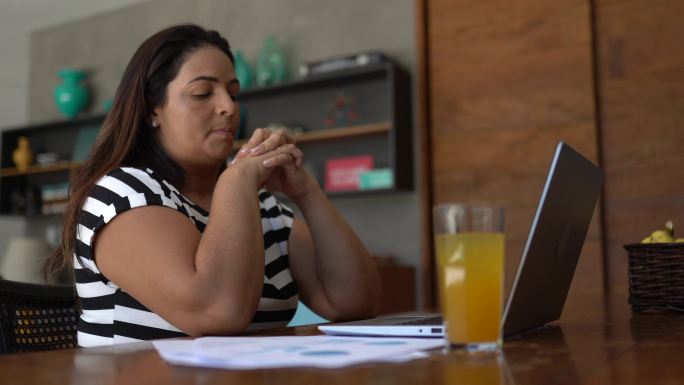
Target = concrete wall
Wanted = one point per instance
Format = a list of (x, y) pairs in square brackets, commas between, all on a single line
[(17, 20), (305, 29), (14, 79), (13, 96)]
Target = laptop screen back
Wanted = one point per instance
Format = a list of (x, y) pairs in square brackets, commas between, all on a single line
[(555, 241)]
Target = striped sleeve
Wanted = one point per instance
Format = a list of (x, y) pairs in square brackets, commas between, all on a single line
[(117, 192), (103, 304)]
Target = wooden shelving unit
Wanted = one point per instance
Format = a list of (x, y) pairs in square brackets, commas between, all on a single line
[(313, 136), (369, 106), (36, 169), (335, 133)]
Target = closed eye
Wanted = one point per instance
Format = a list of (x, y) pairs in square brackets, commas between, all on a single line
[(202, 96)]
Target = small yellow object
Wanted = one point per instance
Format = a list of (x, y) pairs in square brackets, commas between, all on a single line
[(679, 240), (661, 236), (22, 156)]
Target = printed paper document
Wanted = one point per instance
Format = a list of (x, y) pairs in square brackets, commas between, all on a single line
[(281, 352)]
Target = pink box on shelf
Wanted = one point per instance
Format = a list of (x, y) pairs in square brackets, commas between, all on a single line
[(342, 174)]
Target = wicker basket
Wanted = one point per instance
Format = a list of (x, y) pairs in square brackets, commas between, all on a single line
[(656, 276)]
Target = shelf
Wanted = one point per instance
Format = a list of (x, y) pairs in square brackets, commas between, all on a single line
[(311, 136), (356, 193), (36, 169), (317, 80), (383, 129), (335, 133), (55, 125)]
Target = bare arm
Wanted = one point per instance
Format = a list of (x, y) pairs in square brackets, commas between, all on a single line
[(208, 284), (336, 276)]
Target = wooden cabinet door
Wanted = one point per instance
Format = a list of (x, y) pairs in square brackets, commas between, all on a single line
[(641, 93), (505, 81)]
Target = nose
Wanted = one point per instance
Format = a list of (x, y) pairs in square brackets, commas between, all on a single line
[(225, 104)]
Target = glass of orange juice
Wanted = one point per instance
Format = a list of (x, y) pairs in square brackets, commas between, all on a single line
[(469, 244)]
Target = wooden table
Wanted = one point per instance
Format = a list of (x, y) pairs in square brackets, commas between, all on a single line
[(597, 341)]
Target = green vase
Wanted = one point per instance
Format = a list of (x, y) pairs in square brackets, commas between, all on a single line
[(242, 70), (271, 67), (72, 95)]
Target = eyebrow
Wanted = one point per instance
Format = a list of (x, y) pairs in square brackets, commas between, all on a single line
[(213, 79)]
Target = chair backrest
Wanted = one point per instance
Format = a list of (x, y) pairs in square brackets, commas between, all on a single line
[(37, 317)]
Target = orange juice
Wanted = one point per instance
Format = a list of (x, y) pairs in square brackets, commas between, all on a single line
[(470, 270)]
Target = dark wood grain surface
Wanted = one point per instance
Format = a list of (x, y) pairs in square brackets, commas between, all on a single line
[(506, 81), (641, 93), (597, 341)]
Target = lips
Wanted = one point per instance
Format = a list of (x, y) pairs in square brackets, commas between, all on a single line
[(225, 131)]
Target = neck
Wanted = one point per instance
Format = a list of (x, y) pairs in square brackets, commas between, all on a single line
[(199, 184)]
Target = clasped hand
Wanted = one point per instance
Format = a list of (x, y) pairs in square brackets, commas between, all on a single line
[(280, 160)]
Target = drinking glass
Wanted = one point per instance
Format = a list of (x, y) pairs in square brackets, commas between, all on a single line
[(469, 243)]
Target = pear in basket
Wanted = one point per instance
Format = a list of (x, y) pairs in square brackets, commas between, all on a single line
[(663, 236)]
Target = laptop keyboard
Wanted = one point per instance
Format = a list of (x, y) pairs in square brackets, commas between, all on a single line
[(422, 321)]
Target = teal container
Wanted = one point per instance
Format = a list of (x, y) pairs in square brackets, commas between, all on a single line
[(379, 178), (270, 67), (72, 95), (242, 70)]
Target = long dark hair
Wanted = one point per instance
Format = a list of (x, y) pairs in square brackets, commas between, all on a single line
[(127, 137)]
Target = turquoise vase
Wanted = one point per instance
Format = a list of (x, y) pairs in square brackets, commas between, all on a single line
[(242, 70), (271, 67), (72, 95), (278, 65)]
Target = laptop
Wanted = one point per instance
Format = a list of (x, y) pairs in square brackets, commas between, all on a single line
[(545, 272)]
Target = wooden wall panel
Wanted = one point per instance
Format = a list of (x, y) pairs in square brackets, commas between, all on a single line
[(641, 93), (507, 81)]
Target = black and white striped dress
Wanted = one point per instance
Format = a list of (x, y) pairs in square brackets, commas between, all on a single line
[(110, 315)]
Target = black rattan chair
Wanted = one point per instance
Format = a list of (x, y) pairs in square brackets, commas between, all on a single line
[(37, 317)]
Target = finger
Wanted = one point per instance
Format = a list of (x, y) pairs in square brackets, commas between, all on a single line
[(279, 154), (279, 160), (293, 150), (243, 149), (258, 136), (240, 154), (289, 137), (274, 141), (298, 156)]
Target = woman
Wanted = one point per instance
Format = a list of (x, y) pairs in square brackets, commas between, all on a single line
[(149, 260)]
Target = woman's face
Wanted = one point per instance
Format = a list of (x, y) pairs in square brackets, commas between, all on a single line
[(199, 119)]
